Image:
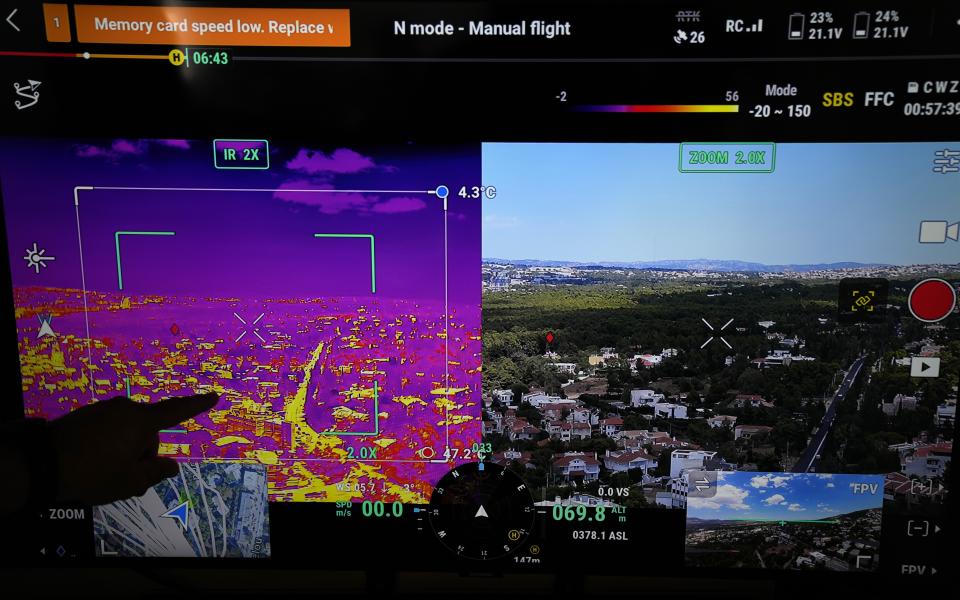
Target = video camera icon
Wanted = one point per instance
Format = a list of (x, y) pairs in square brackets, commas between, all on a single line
[(938, 232)]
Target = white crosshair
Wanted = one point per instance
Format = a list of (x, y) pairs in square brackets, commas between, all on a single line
[(711, 338)]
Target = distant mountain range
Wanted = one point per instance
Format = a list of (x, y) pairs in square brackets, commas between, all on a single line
[(694, 264), (697, 523)]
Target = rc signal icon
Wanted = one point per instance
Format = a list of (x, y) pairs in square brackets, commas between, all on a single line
[(740, 26)]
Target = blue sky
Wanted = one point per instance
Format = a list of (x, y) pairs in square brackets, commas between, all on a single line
[(628, 202), (785, 496)]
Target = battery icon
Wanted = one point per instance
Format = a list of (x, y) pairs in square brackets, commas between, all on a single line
[(795, 30), (861, 25)]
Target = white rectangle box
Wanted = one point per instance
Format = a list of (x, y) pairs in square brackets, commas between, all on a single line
[(925, 366), (933, 232)]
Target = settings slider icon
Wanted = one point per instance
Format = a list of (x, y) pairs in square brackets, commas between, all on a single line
[(36, 258)]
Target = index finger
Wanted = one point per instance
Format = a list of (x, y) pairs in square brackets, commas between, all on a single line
[(174, 411)]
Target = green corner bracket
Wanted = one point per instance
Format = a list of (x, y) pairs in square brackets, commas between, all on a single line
[(373, 252), (116, 239), (376, 418)]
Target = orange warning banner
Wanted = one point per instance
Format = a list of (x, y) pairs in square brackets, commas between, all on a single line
[(192, 26)]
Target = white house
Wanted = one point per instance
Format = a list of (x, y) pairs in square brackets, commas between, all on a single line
[(565, 367), (678, 492), (754, 400), (581, 414), (576, 499), (580, 431), (899, 402), (666, 410), (521, 430), (553, 411), (929, 461), (747, 432), (537, 399), (686, 460), (719, 421), (576, 465), (507, 456), (611, 426), (504, 397), (619, 461), (559, 430), (642, 397), (946, 415), (647, 360), (783, 358)]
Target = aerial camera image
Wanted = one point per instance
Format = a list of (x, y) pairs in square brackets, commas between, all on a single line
[(797, 318), (800, 521)]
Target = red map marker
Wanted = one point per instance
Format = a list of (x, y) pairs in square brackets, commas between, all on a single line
[(550, 337), (932, 300)]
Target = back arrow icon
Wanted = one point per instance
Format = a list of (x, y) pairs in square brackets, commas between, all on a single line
[(10, 19)]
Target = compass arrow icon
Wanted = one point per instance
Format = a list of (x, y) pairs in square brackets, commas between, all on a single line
[(181, 513), (482, 512)]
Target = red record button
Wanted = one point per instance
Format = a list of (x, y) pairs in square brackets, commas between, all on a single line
[(932, 300)]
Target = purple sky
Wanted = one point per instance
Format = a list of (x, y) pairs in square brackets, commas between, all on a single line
[(255, 244)]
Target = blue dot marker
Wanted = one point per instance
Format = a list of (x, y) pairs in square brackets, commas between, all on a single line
[(442, 192), (480, 467)]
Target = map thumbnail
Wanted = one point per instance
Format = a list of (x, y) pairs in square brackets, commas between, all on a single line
[(209, 510)]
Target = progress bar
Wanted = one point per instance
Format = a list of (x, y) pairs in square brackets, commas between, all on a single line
[(657, 108), (86, 55)]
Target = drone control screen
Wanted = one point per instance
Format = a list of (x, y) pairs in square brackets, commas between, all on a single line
[(493, 286)]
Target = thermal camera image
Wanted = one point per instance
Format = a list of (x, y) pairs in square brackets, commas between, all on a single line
[(332, 300)]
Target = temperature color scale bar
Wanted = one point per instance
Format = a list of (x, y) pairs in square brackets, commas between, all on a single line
[(657, 108)]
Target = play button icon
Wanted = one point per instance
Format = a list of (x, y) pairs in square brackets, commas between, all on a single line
[(924, 366)]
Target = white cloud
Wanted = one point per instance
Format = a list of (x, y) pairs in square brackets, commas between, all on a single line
[(769, 480), (775, 499), (727, 496), (795, 507), (500, 222), (830, 485)]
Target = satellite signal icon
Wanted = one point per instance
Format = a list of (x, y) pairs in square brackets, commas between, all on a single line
[(938, 232)]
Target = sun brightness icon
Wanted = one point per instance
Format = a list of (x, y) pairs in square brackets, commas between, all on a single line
[(37, 258)]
